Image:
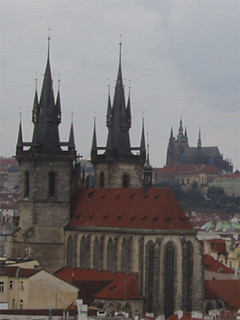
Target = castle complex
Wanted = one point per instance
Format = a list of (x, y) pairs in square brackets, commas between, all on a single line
[(121, 225), (179, 152)]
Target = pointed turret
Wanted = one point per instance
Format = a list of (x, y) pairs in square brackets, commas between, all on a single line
[(71, 142), (185, 134), (20, 137), (180, 135), (58, 106), (147, 173), (109, 111), (199, 139), (94, 141), (142, 143), (129, 116)]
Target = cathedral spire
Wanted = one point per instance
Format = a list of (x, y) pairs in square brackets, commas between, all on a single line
[(46, 114)]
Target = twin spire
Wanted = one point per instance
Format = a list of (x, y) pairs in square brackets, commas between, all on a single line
[(118, 122), (46, 117)]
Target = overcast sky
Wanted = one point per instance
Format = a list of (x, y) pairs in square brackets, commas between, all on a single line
[(181, 57)]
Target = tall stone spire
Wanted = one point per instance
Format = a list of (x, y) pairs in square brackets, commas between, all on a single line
[(119, 118), (118, 164)]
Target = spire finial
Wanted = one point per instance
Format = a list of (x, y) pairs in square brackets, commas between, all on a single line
[(72, 117), (59, 81), (36, 79), (20, 115), (120, 48), (49, 38)]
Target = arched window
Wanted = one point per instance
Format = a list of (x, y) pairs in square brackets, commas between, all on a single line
[(26, 184), (169, 279), (126, 255), (51, 184), (97, 254), (125, 181), (152, 280), (187, 267), (70, 252), (101, 180), (110, 255), (84, 253)]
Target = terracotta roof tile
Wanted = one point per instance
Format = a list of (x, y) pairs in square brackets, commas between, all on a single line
[(107, 284), (213, 265), (228, 290), (128, 208)]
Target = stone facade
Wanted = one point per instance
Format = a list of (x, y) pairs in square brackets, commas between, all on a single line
[(145, 253), (118, 175)]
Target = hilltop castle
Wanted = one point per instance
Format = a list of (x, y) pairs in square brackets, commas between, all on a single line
[(179, 152)]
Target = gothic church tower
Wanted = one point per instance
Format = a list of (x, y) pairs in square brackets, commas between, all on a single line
[(46, 181), (118, 165)]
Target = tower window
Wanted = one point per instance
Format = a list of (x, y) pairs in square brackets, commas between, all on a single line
[(101, 180), (26, 184), (125, 181), (52, 184)]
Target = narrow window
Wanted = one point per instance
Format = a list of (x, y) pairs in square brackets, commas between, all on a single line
[(21, 285), (11, 284), (26, 184), (1, 286), (169, 280), (51, 183), (125, 181), (13, 303), (21, 304), (101, 180)]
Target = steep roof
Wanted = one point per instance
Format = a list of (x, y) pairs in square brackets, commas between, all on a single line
[(157, 209), (228, 290), (107, 284), (213, 265)]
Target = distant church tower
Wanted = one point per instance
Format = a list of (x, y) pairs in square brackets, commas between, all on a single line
[(46, 181), (176, 146), (117, 166)]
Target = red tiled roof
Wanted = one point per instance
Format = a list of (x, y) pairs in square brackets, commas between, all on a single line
[(128, 208), (186, 316), (21, 272), (215, 266), (218, 245), (114, 285), (228, 290)]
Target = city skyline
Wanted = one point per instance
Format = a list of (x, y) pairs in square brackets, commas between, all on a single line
[(179, 58)]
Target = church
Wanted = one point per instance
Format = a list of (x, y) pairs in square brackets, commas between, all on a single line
[(121, 225), (179, 152)]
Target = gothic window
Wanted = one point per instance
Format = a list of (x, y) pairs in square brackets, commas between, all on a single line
[(84, 253), (125, 181), (51, 184), (97, 256), (70, 252), (187, 275), (126, 255), (26, 184), (101, 180), (110, 255), (152, 284), (169, 279)]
